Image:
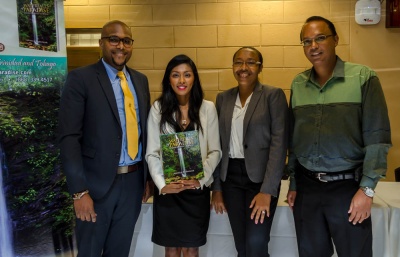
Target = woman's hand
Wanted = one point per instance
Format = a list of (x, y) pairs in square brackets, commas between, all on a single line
[(148, 191), (291, 198), (260, 204), (217, 202), (192, 184), (179, 186)]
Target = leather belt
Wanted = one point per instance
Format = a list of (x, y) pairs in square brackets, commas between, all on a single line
[(329, 176), (128, 169)]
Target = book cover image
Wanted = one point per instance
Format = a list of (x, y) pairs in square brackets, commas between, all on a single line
[(181, 155), (37, 24)]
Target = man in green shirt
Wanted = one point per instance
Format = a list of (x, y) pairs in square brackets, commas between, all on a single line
[(340, 136)]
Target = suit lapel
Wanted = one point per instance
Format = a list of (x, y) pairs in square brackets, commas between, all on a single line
[(230, 105), (252, 107), (105, 83)]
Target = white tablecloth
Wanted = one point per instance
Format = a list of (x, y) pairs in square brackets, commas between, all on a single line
[(389, 192), (283, 237)]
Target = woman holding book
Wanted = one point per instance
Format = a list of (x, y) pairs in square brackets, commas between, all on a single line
[(181, 209)]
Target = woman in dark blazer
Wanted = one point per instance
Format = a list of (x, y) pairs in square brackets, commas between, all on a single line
[(254, 133)]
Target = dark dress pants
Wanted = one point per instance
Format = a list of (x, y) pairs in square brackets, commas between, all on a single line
[(320, 215), (117, 213), (251, 240)]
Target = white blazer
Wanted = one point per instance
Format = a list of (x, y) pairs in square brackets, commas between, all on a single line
[(209, 143)]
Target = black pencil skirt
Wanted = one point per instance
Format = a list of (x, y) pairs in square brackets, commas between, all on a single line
[(181, 220)]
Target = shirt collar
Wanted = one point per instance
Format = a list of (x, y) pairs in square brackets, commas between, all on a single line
[(339, 68), (112, 72), (338, 71), (238, 103)]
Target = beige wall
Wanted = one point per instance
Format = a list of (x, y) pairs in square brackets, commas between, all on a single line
[(209, 31)]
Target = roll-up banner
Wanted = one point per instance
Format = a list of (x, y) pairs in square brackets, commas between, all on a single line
[(35, 210)]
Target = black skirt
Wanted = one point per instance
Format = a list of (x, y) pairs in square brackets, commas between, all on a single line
[(181, 220)]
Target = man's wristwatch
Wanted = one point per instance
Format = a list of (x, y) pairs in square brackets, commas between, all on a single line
[(368, 191), (79, 195)]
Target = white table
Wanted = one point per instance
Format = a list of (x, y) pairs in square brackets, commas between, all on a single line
[(389, 192), (283, 236)]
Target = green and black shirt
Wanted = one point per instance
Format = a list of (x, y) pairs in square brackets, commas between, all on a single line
[(341, 125)]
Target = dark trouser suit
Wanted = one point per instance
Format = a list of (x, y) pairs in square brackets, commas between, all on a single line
[(251, 240), (321, 215), (117, 212)]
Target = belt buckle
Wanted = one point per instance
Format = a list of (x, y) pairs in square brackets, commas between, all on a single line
[(318, 176), (122, 169)]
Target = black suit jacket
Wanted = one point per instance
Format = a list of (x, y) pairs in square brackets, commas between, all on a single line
[(90, 132), (265, 136)]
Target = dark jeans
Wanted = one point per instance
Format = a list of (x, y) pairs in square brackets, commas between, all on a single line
[(321, 215), (251, 240)]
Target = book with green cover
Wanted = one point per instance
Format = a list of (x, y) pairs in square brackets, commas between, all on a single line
[(37, 24), (181, 156)]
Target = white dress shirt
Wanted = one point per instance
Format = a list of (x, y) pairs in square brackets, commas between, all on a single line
[(236, 142)]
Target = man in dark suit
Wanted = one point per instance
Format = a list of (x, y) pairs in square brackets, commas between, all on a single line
[(106, 181), (254, 133)]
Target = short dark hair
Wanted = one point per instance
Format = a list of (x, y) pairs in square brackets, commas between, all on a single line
[(113, 22), (252, 48), (319, 18)]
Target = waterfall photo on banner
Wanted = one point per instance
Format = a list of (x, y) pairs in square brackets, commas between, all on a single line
[(33, 193)]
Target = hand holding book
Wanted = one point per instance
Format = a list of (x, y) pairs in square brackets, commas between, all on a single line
[(179, 186), (193, 183)]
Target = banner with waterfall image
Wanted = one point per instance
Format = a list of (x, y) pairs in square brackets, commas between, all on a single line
[(181, 155), (36, 212), (37, 24)]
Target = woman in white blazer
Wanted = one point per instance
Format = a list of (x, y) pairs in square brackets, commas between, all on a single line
[(182, 209)]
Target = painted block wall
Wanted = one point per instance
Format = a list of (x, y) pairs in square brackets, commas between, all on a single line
[(210, 31)]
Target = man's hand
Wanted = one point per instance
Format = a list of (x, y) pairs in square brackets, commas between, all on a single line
[(360, 207), (260, 204), (291, 198), (84, 209), (217, 202)]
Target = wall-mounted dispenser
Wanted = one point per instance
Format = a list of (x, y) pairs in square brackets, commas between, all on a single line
[(368, 12)]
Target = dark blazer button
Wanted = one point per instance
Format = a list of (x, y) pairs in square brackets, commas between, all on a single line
[(245, 146)]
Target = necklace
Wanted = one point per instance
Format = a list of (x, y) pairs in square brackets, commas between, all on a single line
[(183, 120)]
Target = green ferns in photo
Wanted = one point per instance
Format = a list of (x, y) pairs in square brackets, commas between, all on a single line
[(181, 155)]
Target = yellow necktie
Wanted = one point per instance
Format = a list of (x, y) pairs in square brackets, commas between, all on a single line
[(130, 117)]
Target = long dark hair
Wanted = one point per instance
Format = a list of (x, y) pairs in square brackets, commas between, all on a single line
[(169, 105)]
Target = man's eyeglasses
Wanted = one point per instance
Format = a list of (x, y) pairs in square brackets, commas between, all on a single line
[(250, 64), (318, 39), (114, 41)]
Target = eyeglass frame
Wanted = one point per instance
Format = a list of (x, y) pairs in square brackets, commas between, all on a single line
[(318, 40), (120, 40), (250, 64)]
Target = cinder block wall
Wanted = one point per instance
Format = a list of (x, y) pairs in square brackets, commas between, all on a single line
[(210, 31)]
